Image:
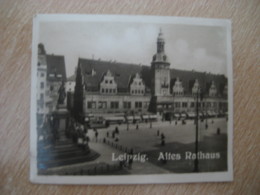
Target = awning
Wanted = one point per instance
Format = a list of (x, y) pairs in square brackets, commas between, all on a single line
[(153, 116), (137, 117), (214, 113), (205, 113), (210, 113), (115, 118), (130, 118), (176, 114), (183, 115), (149, 116), (145, 117), (191, 114)]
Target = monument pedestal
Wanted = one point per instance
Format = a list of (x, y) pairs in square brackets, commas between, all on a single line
[(61, 120)]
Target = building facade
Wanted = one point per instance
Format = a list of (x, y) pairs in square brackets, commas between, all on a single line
[(114, 87), (50, 74), (42, 108)]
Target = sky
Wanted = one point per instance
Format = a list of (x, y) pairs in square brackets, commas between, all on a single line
[(188, 47)]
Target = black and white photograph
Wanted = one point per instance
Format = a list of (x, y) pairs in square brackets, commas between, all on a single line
[(131, 99)]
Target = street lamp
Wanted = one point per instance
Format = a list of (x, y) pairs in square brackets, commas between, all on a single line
[(127, 124), (199, 96), (150, 121), (206, 111)]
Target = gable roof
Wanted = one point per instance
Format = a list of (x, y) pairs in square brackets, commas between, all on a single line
[(123, 73), (55, 66), (188, 78)]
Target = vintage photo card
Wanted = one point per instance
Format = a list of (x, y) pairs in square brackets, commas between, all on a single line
[(131, 100)]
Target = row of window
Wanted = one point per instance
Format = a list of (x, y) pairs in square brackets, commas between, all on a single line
[(108, 81), (114, 105), (42, 86), (137, 91), (192, 104), (177, 93), (41, 74), (108, 90), (138, 83), (113, 91), (55, 75)]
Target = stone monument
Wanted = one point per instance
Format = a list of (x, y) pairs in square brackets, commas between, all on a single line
[(61, 114)]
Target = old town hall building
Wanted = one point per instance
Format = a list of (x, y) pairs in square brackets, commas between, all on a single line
[(113, 87)]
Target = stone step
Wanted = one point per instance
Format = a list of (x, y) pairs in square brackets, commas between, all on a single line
[(63, 155), (58, 150), (58, 143), (44, 164)]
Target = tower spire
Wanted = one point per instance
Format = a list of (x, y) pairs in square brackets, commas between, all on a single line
[(160, 42)]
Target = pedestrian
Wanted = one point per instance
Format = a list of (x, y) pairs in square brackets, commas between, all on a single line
[(162, 136), (162, 139), (80, 140), (218, 131), (113, 134), (85, 144), (96, 134), (116, 130), (117, 138), (107, 134), (85, 128)]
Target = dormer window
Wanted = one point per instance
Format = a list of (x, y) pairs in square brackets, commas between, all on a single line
[(177, 88), (137, 86), (196, 87), (212, 90), (108, 83)]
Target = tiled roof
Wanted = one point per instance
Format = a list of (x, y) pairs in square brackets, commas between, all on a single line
[(188, 78), (56, 67), (123, 72)]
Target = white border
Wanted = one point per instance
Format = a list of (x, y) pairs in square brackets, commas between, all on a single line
[(130, 179)]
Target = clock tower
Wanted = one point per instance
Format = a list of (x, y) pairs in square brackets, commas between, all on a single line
[(160, 69), (161, 100)]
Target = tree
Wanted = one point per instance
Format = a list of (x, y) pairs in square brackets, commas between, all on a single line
[(78, 96)]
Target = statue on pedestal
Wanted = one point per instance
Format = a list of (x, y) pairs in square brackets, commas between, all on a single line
[(62, 94)]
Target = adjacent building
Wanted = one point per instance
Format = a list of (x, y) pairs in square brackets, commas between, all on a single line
[(51, 73)]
